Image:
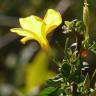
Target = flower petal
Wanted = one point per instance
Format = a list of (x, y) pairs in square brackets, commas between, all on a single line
[(32, 23), (21, 31), (28, 35), (52, 19), (25, 39)]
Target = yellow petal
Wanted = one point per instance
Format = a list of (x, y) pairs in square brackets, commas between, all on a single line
[(21, 31), (28, 35), (25, 39), (32, 23), (52, 19)]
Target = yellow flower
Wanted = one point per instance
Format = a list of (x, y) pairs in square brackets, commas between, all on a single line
[(35, 28)]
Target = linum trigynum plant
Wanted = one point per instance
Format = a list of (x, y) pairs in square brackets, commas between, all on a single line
[(72, 79)]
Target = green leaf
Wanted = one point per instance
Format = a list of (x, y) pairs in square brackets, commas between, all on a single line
[(48, 91), (56, 81), (86, 82), (77, 62), (93, 47), (78, 23), (67, 23), (65, 70), (93, 75), (76, 77)]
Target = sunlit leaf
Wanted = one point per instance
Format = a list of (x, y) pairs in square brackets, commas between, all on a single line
[(48, 91)]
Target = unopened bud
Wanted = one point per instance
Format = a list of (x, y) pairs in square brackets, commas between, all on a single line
[(86, 14)]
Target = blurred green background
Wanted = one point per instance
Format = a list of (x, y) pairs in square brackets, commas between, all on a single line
[(16, 58)]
